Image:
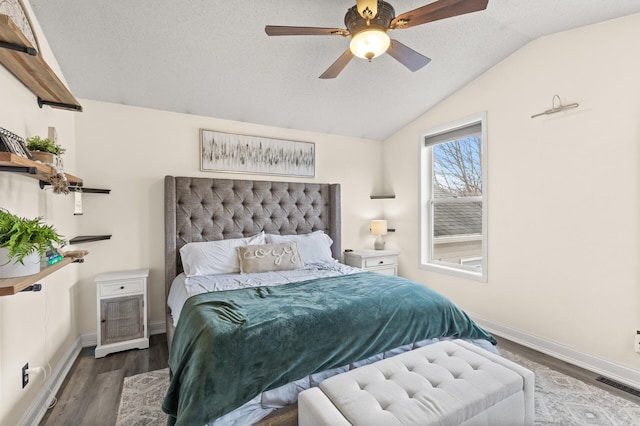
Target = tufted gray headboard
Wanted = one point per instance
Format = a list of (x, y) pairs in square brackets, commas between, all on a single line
[(206, 209)]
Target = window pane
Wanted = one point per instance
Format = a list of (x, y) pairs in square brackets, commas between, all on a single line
[(457, 170), (457, 233), (457, 219), (457, 208), (454, 160)]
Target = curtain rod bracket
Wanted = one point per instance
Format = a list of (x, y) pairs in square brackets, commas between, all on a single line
[(556, 108)]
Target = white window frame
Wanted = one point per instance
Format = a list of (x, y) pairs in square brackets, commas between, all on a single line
[(425, 188)]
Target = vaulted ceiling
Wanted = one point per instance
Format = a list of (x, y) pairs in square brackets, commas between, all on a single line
[(213, 58)]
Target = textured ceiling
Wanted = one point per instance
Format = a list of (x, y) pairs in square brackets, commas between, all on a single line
[(213, 58)]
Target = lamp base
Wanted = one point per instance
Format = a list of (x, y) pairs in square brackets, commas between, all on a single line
[(379, 243)]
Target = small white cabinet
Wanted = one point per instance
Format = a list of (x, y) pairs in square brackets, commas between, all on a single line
[(122, 311), (382, 261)]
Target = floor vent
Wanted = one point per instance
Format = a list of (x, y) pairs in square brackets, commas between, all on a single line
[(620, 386)]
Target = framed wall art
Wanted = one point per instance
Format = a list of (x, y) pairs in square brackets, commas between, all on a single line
[(238, 153)]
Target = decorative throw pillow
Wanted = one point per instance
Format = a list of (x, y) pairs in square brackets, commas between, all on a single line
[(215, 257), (269, 257), (314, 247)]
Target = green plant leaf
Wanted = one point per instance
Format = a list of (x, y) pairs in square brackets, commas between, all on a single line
[(44, 145), (22, 236)]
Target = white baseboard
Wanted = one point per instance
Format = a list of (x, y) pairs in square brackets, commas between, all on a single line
[(91, 339), (157, 327), (611, 370), (51, 386)]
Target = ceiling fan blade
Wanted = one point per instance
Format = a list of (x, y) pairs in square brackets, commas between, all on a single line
[(337, 67), (437, 10), (407, 56), (368, 9), (274, 30)]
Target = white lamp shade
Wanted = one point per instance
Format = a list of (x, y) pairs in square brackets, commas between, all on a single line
[(369, 43), (379, 227)]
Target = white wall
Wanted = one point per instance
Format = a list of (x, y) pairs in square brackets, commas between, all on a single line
[(129, 150), (37, 328), (563, 191)]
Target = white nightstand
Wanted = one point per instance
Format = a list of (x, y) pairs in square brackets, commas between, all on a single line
[(382, 261), (122, 311)]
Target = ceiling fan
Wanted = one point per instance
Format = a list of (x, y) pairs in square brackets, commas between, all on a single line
[(368, 23)]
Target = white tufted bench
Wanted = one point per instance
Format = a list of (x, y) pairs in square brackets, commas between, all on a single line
[(447, 383)]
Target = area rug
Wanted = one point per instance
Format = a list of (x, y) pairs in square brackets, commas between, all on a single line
[(559, 399), (563, 400), (141, 399)]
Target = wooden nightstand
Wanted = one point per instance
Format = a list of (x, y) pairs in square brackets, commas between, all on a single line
[(382, 261), (122, 311)]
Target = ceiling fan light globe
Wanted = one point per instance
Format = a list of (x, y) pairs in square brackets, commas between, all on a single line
[(369, 43)]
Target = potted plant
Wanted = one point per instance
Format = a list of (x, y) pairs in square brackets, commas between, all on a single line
[(23, 242), (44, 149)]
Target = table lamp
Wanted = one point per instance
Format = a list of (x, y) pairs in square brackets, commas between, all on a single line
[(379, 228)]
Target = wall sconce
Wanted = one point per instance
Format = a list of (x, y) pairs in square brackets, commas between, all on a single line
[(379, 228)]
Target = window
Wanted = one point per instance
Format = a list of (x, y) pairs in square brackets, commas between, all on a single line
[(453, 203)]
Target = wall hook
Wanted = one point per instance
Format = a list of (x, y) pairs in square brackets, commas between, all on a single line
[(556, 107)]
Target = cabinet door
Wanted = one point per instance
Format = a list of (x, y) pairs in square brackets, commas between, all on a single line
[(121, 319)]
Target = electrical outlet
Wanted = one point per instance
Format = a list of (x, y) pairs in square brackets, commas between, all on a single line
[(636, 346), (25, 375)]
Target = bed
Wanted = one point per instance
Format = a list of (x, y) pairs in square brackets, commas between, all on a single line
[(237, 352)]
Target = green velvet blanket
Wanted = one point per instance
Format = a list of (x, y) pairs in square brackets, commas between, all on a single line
[(230, 346)]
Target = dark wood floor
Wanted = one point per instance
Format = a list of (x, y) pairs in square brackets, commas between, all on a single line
[(90, 395)]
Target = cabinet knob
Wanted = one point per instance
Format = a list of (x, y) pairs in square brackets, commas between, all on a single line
[(121, 287), (104, 320), (381, 262)]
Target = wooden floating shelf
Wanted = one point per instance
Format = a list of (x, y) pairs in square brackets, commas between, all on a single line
[(31, 168), (10, 286), (31, 69)]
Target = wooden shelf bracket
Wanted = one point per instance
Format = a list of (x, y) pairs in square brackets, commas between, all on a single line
[(18, 48), (60, 105)]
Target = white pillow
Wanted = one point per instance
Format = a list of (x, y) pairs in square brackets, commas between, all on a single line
[(215, 257), (313, 248)]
